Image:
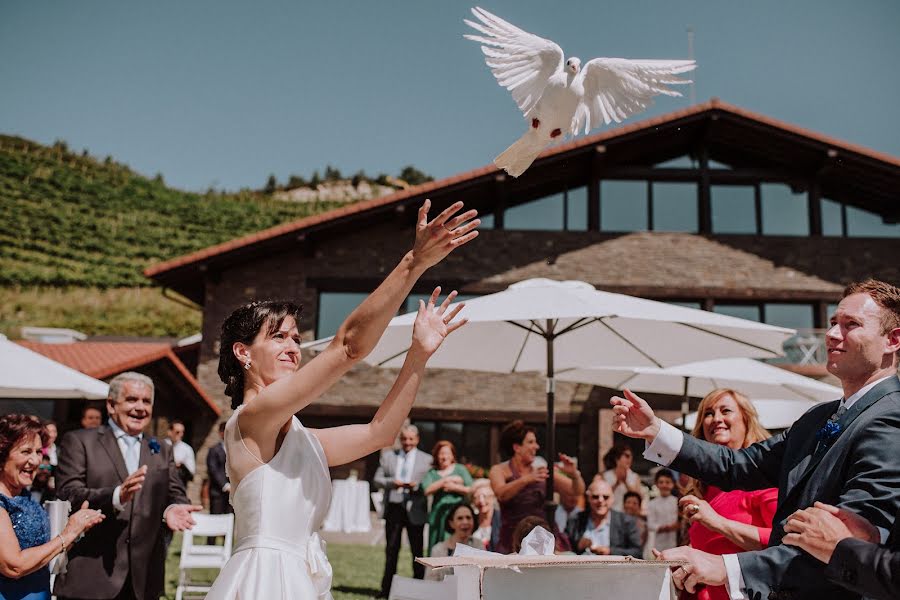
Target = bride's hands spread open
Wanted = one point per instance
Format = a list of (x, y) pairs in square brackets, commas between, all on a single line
[(435, 239), (434, 323)]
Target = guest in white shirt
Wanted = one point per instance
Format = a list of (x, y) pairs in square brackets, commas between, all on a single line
[(565, 510), (185, 461), (621, 478), (662, 513)]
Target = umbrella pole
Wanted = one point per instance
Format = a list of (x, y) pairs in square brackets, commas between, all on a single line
[(685, 406), (549, 505)]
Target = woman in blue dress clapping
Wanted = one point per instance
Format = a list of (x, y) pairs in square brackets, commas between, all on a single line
[(25, 545)]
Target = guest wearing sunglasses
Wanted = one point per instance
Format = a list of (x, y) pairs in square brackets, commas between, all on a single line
[(602, 530)]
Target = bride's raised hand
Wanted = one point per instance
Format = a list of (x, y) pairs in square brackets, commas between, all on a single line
[(434, 323), (437, 238)]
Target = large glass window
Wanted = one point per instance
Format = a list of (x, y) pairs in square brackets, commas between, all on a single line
[(680, 162), (563, 211), (832, 219), (487, 221), (733, 209), (544, 214), (623, 205), (577, 209), (675, 207), (783, 211), (751, 312), (795, 316), (472, 440), (334, 307), (862, 223)]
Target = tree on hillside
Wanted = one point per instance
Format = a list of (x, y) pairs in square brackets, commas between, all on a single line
[(296, 181), (271, 185), (315, 180), (358, 178), (413, 176), (332, 173)]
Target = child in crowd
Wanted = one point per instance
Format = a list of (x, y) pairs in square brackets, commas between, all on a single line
[(662, 513), (633, 508)]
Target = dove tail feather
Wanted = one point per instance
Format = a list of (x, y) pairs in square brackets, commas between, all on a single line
[(519, 156)]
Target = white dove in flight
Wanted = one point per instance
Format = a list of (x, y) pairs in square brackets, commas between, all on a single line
[(560, 97)]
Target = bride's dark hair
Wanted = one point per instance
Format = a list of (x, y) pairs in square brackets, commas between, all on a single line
[(243, 325)]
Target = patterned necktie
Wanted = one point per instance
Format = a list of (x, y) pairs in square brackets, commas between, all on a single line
[(840, 412), (832, 428)]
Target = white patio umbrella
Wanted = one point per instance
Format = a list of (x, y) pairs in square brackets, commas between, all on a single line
[(27, 374), (751, 377), (773, 413), (544, 325)]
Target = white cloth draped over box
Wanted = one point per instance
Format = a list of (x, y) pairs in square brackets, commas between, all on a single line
[(349, 510), (279, 508)]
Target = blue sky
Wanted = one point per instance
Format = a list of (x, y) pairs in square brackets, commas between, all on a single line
[(221, 93)]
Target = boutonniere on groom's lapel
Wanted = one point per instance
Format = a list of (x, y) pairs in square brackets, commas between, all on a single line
[(154, 446), (829, 432)]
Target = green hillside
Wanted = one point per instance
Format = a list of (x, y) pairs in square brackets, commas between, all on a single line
[(71, 220)]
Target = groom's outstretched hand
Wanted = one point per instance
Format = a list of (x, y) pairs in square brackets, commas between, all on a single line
[(634, 417)]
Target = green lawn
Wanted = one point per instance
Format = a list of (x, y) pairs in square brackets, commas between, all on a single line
[(357, 569)]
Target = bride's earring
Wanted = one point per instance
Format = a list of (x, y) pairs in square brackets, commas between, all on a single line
[(247, 365)]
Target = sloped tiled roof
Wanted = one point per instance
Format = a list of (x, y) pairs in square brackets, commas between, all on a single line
[(165, 271), (103, 360)]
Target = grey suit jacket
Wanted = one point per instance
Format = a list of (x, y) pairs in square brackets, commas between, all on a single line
[(870, 569), (417, 505), (860, 472), (127, 542), (624, 538)]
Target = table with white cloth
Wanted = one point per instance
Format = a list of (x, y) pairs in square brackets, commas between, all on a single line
[(349, 510)]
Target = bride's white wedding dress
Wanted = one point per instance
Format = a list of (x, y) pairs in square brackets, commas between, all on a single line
[(278, 507)]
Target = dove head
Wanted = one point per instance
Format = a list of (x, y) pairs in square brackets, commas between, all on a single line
[(573, 65)]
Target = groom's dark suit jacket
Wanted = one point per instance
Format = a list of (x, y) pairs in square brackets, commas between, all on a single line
[(869, 569), (125, 543), (859, 472)]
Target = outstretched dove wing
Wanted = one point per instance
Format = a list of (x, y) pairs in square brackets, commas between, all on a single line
[(522, 62)]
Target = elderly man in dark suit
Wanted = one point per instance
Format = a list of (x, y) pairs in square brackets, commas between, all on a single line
[(602, 530), (843, 453), (133, 480), (848, 545), (399, 474)]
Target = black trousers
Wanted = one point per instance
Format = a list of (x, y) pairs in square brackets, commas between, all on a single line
[(395, 520)]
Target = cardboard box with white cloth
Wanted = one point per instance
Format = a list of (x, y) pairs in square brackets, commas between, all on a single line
[(536, 572)]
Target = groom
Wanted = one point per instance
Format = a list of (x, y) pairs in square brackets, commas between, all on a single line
[(842, 453), (399, 475)]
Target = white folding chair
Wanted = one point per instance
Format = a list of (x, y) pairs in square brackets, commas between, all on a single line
[(201, 555), (404, 588), (378, 502)]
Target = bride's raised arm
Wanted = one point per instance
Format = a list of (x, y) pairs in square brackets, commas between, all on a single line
[(274, 403), (349, 442)]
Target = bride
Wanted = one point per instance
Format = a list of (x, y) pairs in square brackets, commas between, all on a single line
[(278, 469)]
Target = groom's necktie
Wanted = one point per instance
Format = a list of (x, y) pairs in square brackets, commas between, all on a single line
[(831, 430)]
